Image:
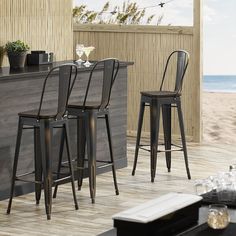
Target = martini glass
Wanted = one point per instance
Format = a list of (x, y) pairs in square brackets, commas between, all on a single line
[(87, 51), (79, 51)]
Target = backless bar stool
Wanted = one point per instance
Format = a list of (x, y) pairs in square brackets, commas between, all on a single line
[(43, 121), (164, 100), (87, 113)]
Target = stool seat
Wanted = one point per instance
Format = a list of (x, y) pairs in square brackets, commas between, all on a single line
[(162, 101), (44, 114), (87, 113), (42, 122), (89, 105), (159, 94)]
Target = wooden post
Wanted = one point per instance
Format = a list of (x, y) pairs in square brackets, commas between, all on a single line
[(198, 74)]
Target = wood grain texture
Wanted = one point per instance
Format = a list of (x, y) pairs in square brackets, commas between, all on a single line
[(92, 219), (148, 48), (198, 62), (43, 25)]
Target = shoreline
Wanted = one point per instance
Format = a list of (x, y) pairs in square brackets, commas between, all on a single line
[(219, 91), (219, 117)]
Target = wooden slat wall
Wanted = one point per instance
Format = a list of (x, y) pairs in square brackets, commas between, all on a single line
[(148, 47), (44, 25)]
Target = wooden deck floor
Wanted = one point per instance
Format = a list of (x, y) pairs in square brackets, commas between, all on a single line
[(28, 219)]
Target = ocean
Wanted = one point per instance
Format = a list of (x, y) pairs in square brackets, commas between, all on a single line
[(219, 83)]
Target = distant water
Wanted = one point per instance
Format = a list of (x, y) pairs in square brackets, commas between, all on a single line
[(219, 83)]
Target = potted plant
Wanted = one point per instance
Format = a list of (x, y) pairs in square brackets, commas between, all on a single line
[(16, 52)]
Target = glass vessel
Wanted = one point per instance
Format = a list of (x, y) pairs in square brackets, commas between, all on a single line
[(218, 216), (87, 51), (79, 52)]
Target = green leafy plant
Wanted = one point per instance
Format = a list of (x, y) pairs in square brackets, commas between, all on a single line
[(129, 13), (1, 50), (16, 46)]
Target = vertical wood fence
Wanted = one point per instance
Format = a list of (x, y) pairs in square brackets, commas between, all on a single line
[(42, 24), (148, 47)]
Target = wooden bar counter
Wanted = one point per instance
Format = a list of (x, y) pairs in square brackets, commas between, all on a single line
[(20, 90)]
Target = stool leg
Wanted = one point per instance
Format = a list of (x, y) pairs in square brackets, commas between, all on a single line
[(91, 135), (140, 124), (154, 129), (166, 118), (17, 150), (81, 142), (46, 142), (38, 165), (66, 128), (107, 117), (181, 125), (60, 160)]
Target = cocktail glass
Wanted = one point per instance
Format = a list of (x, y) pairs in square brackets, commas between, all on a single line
[(87, 51), (79, 52)]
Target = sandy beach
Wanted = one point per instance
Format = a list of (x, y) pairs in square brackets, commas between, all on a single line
[(219, 117)]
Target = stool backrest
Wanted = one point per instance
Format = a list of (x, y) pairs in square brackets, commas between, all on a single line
[(66, 74), (110, 67), (181, 67)]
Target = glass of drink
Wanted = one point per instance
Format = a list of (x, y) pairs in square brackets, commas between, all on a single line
[(79, 52), (203, 186), (87, 51), (200, 187), (218, 216)]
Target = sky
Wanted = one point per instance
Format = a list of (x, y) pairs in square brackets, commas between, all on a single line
[(219, 37), (219, 30)]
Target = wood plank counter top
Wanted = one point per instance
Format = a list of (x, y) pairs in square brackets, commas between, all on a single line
[(28, 71)]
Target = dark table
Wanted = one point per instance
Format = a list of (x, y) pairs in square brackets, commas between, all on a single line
[(203, 211)]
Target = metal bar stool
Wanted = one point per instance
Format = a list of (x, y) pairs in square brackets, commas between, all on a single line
[(164, 100), (43, 121), (87, 113)]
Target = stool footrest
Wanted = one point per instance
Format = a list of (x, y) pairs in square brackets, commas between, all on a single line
[(105, 165), (145, 149), (28, 127), (28, 181), (99, 161), (62, 179), (19, 178), (25, 174), (64, 164), (171, 150), (180, 148)]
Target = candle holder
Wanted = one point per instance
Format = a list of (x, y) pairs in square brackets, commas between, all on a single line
[(218, 216)]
